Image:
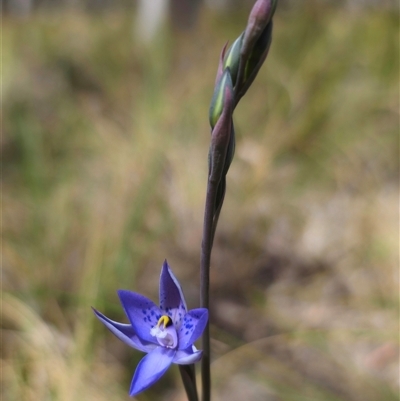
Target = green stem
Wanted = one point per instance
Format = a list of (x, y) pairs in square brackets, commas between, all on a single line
[(206, 246), (217, 212), (188, 375)]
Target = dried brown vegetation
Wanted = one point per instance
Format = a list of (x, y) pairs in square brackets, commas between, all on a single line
[(104, 153)]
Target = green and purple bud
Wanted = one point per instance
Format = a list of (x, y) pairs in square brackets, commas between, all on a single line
[(259, 52), (255, 45), (260, 15), (221, 97), (232, 58), (254, 61), (221, 68), (221, 110)]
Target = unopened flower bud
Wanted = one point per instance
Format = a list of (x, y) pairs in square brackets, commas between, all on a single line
[(232, 58), (255, 45), (221, 68), (218, 101), (221, 122), (256, 59), (259, 17)]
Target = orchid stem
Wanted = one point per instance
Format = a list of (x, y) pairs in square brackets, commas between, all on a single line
[(238, 66), (188, 375), (206, 247)]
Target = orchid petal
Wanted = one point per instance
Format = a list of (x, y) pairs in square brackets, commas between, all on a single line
[(151, 368), (172, 300), (193, 325), (186, 357), (166, 333), (125, 333), (142, 313)]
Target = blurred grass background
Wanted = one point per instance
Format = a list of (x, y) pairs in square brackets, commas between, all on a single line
[(104, 163)]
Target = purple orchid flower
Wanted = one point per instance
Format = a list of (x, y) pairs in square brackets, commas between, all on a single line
[(166, 333)]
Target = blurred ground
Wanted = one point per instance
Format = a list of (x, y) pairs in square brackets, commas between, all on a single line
[(104, 151)]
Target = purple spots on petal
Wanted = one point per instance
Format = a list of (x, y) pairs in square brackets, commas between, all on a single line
[(187, 325)]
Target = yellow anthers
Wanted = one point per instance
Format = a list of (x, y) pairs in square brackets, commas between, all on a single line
[(165, 321)]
